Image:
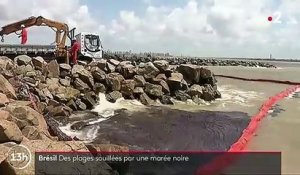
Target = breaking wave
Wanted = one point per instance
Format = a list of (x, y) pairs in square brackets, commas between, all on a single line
[(231, 95), (105, 110)]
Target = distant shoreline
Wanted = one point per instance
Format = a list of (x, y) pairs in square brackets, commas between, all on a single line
[(261, 59), (168, 55)]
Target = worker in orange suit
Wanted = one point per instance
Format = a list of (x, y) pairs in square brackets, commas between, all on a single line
[(74, 51), (23, 34)]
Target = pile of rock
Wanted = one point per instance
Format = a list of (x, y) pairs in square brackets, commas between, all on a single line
[(59, 89), (31, 90), (21, 124), (173, 60)]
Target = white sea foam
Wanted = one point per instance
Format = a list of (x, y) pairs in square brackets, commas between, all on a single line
[(88, 134), (236, 96), (105, 109)]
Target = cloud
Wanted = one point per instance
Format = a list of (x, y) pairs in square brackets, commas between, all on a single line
[(210, 28), (72, 12), (199, 27)]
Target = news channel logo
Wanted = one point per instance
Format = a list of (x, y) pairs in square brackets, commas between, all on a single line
[(19, 157), (278, 18)]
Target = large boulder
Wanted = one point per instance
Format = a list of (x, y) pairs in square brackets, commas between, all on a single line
[(127, 87), (4, 151), (206, 73), (40, 77), (167, 100), (138, 90), (99, 88), (22, 60), (163, 84), (191, 73), (53, 69), (26, 116), (7, 73), (65, 81), (22, 70), (207, 77), (89, 99), (176, 82), (110, 68), (67, 93), (182, 96), (5, 115), (153, 90), (114, 81), (195, 90), (148, 70), (145, 99), (52, 84), (114, 62), (113, 96), (7, 88), (9, 132), (80, 105), (30, 81), (65, 67), (162, 77), (99, 63), (46, 93), (31, 74), (83, 74), (3, 100), (209, 93), (126, 69), (32, 133), (81, 86), (39, 63), (61, 110), (98, 74), (162, 65), (6, 63), (139, 81)]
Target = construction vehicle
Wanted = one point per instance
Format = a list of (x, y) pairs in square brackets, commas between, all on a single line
[(90, 43)]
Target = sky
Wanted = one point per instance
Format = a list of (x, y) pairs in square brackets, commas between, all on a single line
[(220, 28)]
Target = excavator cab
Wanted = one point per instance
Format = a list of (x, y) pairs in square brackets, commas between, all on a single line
[(90, 45)]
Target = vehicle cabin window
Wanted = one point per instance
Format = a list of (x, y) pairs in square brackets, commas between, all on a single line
[(91, 40)]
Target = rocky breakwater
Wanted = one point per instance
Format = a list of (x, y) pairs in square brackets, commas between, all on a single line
[(173, 60), (35, 95), (23, 123), (59, 89)]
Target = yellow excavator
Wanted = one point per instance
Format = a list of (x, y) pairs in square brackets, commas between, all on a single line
[(90, 43)]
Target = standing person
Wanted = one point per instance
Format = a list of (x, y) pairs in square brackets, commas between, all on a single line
[(74, 51), (23, 34)]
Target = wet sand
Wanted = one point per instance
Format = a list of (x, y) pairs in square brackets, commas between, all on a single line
[(279, 133)]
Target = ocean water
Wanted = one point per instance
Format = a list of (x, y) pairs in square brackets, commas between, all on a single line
[(277, 132)]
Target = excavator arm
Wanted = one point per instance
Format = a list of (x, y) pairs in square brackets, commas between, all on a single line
[(61, 29)]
